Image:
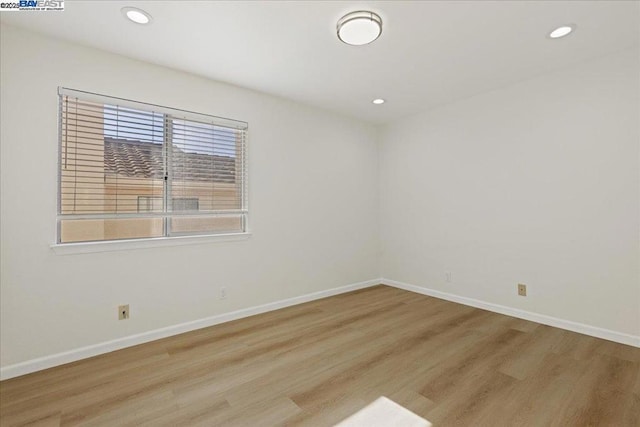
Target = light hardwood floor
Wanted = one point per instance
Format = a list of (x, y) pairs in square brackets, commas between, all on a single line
[(315, 364)]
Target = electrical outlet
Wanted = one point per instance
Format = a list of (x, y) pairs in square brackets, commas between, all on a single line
[(123, 312), (522, 290), (448, 276), (223, 293)]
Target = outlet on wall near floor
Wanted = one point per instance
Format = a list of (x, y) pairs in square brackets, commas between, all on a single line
[(448, 277), (522, 290), (123, 312), (223, 293)]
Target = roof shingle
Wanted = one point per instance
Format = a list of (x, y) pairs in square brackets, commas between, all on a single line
[(145, 160)]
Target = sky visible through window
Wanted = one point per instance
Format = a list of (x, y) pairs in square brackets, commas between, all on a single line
[(187, 135)]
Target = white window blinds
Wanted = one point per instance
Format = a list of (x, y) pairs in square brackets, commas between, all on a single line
[(132, 170)]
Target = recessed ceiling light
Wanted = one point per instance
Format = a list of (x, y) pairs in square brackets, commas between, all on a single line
[(378, 101), (358, 28), (136, 15), (563, 31)]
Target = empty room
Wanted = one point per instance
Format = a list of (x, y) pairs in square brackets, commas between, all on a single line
[(320, 213)]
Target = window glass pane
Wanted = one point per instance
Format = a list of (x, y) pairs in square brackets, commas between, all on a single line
[(109, 157), (86, 230), (206, 164), (206, 224)]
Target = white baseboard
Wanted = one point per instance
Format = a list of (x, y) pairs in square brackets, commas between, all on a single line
[(45, 362), (581, 328)]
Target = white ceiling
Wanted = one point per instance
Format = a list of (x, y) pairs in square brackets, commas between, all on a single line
[(430, 52)]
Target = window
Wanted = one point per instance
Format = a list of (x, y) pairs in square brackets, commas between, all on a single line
[(130, 170)]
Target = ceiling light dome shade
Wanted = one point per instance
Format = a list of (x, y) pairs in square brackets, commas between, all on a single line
[(358, 28)]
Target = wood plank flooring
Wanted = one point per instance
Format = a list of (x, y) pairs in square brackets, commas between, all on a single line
[(317, 363)]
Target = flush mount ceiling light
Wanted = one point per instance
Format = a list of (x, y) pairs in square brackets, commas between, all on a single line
[(563, 31), (358, 28), (136, 15), (378, 101)]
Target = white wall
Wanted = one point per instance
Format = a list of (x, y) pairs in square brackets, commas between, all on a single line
[(313, 198), (535, 183)]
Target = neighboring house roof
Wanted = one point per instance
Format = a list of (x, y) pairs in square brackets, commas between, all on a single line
[(145, 160)]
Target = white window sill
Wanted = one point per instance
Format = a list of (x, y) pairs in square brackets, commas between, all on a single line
[(121, 245)]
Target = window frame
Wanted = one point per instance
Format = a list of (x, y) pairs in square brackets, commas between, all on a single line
[(167, 238)]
